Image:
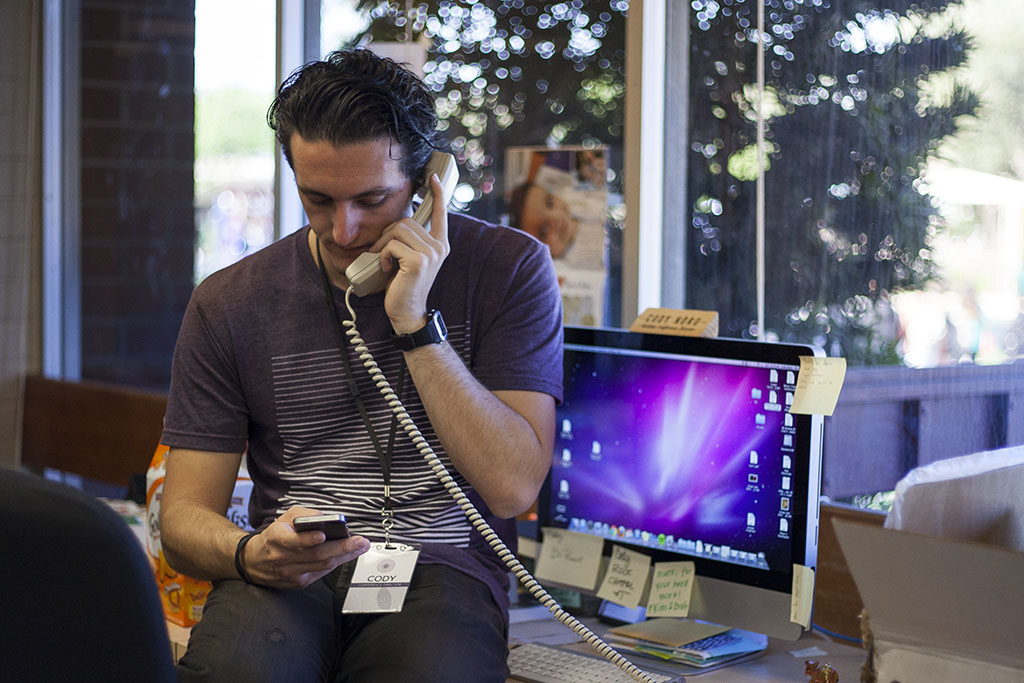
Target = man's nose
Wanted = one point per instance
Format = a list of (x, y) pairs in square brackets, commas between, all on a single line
[(344, 225)]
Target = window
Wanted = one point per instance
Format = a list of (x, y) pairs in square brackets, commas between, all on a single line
[(234, 167), (891, 222)]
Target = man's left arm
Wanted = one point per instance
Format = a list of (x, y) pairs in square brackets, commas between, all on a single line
[(500, 441)]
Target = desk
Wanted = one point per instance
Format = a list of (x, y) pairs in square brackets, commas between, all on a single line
[(776, 664)]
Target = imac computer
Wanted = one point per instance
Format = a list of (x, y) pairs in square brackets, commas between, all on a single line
[(684, 448)]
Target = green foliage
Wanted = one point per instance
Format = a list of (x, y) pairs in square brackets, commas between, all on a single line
[(861, 96), (992, 140), (232, 122)]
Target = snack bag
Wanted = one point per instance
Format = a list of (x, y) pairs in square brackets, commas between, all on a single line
[(182, 596)]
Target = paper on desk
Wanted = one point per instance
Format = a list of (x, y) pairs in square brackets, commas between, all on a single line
[(671, 632), (818, 385), (803, 595), (626, 577), (671, 588), (570, 558)]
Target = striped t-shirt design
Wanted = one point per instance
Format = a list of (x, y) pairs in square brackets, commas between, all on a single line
[(329, 462)]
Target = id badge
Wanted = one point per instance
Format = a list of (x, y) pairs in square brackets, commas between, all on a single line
[(381, 579)]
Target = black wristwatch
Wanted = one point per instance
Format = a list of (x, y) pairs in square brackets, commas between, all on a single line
[(434, 332)]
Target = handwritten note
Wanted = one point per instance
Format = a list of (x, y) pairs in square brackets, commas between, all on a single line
[(803, 596), (671, 588), (570, 558), (818, 385), (681, 323), (626, 578)]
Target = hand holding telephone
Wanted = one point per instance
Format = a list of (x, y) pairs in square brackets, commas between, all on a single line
[(333, 526), (365, 274)]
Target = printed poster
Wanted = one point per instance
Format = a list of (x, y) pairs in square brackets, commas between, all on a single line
[(560, 196)]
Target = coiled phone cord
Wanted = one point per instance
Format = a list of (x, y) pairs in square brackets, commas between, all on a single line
[(481, 525)]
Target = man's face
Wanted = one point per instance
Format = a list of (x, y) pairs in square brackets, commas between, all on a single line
[(350, 194)]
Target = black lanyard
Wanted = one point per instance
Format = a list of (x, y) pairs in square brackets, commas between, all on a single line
[(384, 456)]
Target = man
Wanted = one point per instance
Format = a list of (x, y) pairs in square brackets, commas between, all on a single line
[(261, 366)]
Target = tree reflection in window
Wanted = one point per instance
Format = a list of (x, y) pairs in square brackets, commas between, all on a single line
[(856, 98)]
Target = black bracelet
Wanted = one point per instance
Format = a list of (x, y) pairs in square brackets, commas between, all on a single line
[(238, 556)]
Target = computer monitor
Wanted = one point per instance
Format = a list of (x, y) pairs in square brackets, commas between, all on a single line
[(683, 448)]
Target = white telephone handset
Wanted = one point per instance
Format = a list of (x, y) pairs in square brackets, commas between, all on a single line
[(365, 274)]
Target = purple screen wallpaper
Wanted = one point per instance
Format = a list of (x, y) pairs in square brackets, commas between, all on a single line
[(685, 456)]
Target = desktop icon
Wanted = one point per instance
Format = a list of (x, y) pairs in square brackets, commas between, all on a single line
[(773, 397), (787, 439), (785, 483), (789, 419), (787, 462), (595, 450), (759, 419), (790, 377), (773, 376), (751, 478), (566, 428), (789, 398), (750, 519), (784, 525), (563, 489), (784, 504), (755, 394), (753, 457), (566, 457)]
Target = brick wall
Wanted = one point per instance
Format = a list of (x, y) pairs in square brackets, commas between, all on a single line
[(137, 150)]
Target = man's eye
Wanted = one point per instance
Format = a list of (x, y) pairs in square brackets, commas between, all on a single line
[(372, 202)]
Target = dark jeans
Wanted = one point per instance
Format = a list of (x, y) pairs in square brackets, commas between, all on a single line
[(450, 629)]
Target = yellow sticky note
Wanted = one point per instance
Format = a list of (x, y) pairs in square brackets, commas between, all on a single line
[(626, 577), (671, 587), (803, 596), (818, 385), (681, 323), (570, 558)]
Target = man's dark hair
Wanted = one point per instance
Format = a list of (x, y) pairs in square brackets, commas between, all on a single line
[(355, 96)]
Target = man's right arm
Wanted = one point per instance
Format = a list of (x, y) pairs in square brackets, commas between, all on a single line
[(199, 540), (196, 537)]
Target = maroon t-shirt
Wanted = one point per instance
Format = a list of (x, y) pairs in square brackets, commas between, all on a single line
[(257, 367)]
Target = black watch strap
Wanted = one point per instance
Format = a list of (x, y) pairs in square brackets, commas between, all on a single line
[(434, 332)]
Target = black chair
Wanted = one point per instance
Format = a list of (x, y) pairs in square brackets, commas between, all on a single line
[(78, 599)]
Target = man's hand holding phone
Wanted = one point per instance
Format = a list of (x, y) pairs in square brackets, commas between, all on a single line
[(415, 253), (408, 254), (281, 556)]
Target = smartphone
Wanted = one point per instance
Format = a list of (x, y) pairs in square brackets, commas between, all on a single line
[(365, 274), (333, 526)]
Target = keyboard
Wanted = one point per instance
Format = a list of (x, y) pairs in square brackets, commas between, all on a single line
[(537, 663)]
